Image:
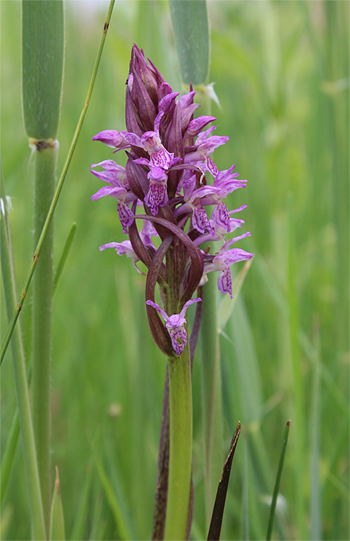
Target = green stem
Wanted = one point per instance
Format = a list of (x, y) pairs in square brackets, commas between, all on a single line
[(180, 461), (19, 369), (51, 211), (277, 482), (44, 187)]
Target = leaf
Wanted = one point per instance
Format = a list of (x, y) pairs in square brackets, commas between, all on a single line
[(219, 506), (57, 532), (64, 256), (111, 498), (277, 482), (191, 30)]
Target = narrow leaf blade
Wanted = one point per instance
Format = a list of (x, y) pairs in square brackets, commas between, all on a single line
[(57, 532), (64, 256), (277, 483), (219, 506)]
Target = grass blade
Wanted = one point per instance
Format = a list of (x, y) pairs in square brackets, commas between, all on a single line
[(219, 506), (277, 483), (111, 498), (82, 511), (9, 456), (315, 511), (245, 491), (57, 531), (63, 257)]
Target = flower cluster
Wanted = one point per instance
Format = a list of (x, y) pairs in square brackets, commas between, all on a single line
[(170, 172)]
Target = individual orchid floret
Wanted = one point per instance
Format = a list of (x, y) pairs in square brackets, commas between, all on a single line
[(123, 248), (204, 146), (192, 198), (175, 324), (197, 124), (222, 262), (220, 231), (112, 138), (113, 173), (157, 195), (116, 176)]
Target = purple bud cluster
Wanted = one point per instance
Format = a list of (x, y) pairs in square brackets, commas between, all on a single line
[(170, 172)]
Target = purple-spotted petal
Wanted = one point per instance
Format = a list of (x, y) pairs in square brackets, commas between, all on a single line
[(178, 337), (157, 196), (200, 220), (225, 282), (221, 216), (125, 216), (162, 158), (213, 170)]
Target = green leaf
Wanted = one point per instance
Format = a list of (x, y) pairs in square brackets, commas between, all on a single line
[(9, 455), (63, 257), (277, 483), (191, 30), (42, 55), (57, 532), (111, 498), (220, 500)]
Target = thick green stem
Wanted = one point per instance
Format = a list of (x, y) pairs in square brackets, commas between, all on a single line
[(180, 461), (19, 369), (46, 160)]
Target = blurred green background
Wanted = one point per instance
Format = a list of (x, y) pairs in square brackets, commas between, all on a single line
[(281, 74)]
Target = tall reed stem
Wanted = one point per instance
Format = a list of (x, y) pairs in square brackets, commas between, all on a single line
[(42, 302), (180, 460)]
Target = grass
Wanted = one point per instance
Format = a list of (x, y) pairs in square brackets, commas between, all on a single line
[(281, 74)]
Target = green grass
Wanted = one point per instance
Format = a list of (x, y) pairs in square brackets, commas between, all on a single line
[(281, 74)]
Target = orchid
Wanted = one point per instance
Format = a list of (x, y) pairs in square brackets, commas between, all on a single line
[(168, 170), (171, 183)]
